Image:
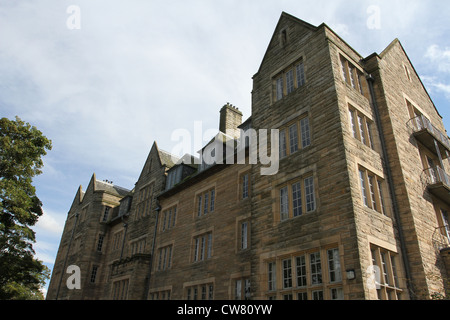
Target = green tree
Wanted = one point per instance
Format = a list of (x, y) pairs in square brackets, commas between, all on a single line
[(21, 150)]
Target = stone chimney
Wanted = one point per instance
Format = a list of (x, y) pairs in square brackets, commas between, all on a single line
[(230, 119)]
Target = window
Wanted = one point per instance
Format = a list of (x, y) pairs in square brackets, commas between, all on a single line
[(353, 76), (287, 274), (244, 238), (279, 88), (106, 214), (386, 274), (160, 295), (144, 198), (316, 275), (101, 238), (272, 275), (334, 265), (287, 81), (117, 240), (316, 268), (295, 136), (206, 202), (290, 81), (445, 223), (165, 258), (138, 246), (174, 176), (169, 217), (361, 127), (372, 190), (120, 290), (283, 145), (94, 274), (202, 247), (242, 289), (297, 198), (301, 271), (200, 292)]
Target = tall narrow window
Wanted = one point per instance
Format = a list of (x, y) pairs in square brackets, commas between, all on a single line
[(297, 199), (316, 268), (272, 276), (199, 206), (352, 123), (306, 133), (300, 69), (334, 265), (293, 138), (372, 192), (205, 208), (362, 178), (301, 271), (287, 274), (290, 81), (309, 192), (284, 206), (244, 235), (213, 199), (361, 129), (279, 85), (283, 146)]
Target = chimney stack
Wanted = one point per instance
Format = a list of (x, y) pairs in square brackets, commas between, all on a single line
[(230, 119)]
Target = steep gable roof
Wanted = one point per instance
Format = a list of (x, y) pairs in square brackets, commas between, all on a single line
[(283, 17), (391, 46)]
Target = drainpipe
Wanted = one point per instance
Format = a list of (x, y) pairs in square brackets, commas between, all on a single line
[(371, 80), (157, 210), (67, 255)]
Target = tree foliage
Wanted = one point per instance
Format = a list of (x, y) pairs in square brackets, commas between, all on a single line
[(22, 147)]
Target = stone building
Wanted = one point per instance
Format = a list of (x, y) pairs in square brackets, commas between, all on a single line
[(358, 208)]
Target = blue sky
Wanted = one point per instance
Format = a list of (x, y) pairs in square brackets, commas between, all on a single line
[(135, 71)]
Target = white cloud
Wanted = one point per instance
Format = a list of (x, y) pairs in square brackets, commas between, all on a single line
[(50, 222), (440, 57)]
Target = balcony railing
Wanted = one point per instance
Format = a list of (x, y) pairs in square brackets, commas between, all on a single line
[(438, 183), (425, 131)]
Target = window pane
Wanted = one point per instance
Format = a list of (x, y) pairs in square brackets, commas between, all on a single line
[(199, 208), (284, 203), (309, 192), (272, 276), (279, 88), (213, 196), (362, 178), (244, 235), (290, 81), (361, 130), (306, 134), (316, 268), (287, 274), (283, 147), (205, 208), (297, 199), (352, 123), (301, 271), (300, 69), (293, 138), (372, 193), (334, 265)]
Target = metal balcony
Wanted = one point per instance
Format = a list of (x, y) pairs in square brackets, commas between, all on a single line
[(438, 183), (425, 132)]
